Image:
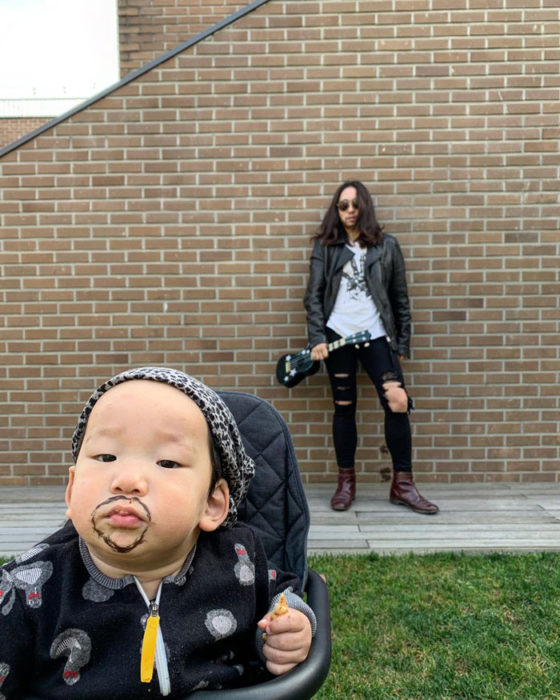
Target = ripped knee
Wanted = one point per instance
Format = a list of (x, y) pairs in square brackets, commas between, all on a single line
[(342, 396), (395, 395), (342, 387)]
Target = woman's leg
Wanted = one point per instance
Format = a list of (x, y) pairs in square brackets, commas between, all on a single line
[(383, 368), (341, 366)]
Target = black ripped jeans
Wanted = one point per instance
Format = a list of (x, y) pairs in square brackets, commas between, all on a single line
[(380, 363)]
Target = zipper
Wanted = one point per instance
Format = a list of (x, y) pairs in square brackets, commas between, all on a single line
[(153, 647), (149, 643)]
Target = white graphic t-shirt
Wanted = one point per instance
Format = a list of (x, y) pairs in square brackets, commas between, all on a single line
[(354, 309)]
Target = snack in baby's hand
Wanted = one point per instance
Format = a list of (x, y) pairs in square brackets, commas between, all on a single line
[(281, 608)]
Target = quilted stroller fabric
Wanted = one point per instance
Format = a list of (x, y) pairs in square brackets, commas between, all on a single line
[(275, 506)]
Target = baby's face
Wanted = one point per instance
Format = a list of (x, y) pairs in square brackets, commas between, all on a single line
[(138, 494)]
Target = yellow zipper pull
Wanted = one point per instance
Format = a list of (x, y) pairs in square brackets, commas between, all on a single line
[(149, 644)]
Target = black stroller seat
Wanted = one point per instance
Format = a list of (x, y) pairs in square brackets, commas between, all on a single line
[(276, 508)]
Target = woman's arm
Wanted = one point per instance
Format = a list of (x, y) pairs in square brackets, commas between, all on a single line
[(398, 296), (313, 299)]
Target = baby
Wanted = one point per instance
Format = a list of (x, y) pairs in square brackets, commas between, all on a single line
[(153, 588)]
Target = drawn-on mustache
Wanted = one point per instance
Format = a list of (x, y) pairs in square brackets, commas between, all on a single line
[(107, 539), (127, 499)]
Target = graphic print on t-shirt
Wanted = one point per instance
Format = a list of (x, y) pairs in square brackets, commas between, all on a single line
[(354, 309), (355, 283)]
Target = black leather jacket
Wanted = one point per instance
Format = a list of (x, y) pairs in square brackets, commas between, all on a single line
[(385, 277)]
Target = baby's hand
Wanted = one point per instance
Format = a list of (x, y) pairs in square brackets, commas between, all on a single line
[(288, 639)]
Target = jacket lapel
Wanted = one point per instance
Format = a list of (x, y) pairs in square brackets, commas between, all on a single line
[(341, 255), (373, 255)]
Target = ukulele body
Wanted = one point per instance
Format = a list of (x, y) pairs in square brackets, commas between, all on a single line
[(292, 368), (289, 374)]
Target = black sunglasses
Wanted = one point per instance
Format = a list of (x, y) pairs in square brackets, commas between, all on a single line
[(344, 204)]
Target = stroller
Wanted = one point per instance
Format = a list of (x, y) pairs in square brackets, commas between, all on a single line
[(276, 508)]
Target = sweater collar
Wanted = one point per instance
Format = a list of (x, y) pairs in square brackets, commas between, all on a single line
[(116, 584)]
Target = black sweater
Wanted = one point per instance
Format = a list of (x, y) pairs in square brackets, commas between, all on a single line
[(67, 630)]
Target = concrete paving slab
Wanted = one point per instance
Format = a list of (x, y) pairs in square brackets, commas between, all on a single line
[(474, 517)]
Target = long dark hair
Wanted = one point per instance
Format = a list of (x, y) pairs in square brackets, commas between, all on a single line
[(331, 231)]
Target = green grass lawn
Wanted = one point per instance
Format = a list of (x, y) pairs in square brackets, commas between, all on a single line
[(443, 626)]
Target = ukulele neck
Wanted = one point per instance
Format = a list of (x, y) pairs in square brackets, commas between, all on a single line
[(336, 344)]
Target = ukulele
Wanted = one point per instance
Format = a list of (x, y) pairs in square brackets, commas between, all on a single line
[(291, 369)]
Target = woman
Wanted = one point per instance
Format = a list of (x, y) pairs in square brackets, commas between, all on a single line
[(357, 282)]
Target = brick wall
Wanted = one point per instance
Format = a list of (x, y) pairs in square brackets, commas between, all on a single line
[(169, 224), (11, 129), (149, 28)]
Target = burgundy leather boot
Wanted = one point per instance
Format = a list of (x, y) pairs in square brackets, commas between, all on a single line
[(405, 493), (345, 491)]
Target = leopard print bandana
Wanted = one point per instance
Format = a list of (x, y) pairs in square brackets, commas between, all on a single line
[(237, 467)]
